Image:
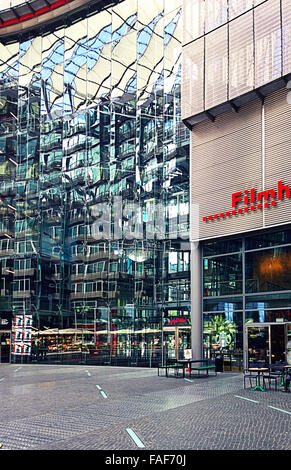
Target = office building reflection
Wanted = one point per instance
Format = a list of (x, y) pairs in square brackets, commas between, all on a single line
[(94, 164)]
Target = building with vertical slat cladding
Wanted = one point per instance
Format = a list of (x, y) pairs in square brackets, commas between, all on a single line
[(236, 102)]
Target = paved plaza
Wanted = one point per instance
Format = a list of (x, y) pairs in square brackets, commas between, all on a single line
[(50, 407)]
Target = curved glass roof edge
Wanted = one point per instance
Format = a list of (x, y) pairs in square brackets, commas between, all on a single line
[(22, 20)]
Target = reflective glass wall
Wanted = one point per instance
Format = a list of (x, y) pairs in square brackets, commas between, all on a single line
[(94, 209), (245, 280)]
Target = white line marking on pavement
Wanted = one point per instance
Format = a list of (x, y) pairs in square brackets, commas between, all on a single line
[(248, 399), (2, 379), (103, 394), (188, 380), (98, 386), (279, 409), (135, 438)]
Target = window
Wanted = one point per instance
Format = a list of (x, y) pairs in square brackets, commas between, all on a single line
[(113, 267), (22, 285), (89, 287), (268, 270), (25, 247), (178, 262), (6, 245), (22, 264), (222, 275)]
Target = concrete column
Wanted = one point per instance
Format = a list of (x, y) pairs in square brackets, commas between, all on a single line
[(196, 301)]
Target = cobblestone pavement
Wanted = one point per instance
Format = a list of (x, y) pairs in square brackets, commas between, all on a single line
[(47, 407)]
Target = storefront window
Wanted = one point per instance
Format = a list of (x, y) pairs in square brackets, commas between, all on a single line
[(222, 246), (222, 275), (223, 336), (269, 239), (266, 297), (268, 270), (268, 301), (265, 316), (222, 304)]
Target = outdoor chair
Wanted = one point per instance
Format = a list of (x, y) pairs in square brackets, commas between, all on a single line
[(274, 375), (250, 376)]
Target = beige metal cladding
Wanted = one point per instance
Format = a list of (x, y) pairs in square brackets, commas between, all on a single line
[(193, 20), (238, 7), (215, 14), (242, 51), (278, 152), (268, 54), (241, 55), (216, 67), (286, 29), (193, 82), (226, 158)]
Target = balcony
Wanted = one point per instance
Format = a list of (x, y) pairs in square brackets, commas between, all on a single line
[(24, 294), (85, 295)]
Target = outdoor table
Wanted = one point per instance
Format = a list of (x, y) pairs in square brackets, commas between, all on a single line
[(189, 362), (258, 370), (185, 362)]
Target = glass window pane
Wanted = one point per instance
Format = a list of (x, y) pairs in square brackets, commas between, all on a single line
[(269, 239), (222, 275), (222, 246), (224, 333), (223, 305), (268, 270), (268, 301)]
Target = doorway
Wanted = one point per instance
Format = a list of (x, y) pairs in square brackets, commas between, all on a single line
[(5, 347), (266, 343), (176, 340)]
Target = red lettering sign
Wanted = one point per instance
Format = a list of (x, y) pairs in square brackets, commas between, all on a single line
[(177, 320), (250, 201)]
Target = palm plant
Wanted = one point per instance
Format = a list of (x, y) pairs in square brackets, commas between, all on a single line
[(217, 325)]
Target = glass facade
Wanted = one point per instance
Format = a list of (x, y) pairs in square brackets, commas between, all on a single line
[(249, 283), (94, 169)]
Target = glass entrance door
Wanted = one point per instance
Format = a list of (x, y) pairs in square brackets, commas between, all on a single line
[(176, 340), (257, 345), (184, 341), (278, 343), (5, 341), (266, 343), (169, 342)]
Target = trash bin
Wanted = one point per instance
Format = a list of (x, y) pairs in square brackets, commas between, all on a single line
[(219, 363)]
